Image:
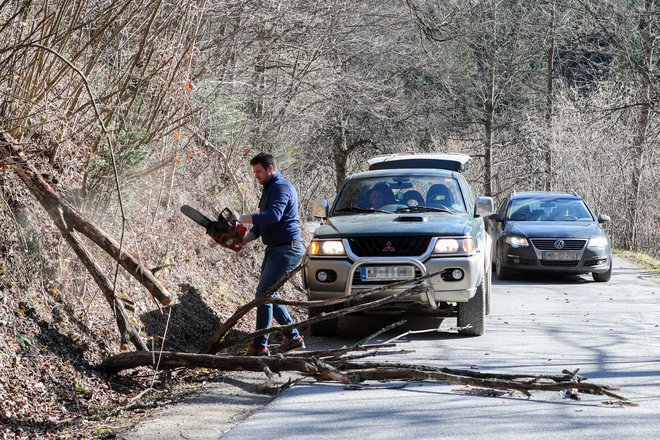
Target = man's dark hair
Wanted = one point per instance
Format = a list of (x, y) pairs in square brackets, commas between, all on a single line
[(263, 159)]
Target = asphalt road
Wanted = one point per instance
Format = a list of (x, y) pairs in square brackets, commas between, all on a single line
[(537, 325)]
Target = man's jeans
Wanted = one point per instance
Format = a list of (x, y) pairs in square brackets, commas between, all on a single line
[(278, 261)]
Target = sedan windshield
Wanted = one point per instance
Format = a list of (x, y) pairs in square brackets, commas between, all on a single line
[(553, 209), (400, 194)]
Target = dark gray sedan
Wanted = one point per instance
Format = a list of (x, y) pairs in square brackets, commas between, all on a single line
[(549, 232)]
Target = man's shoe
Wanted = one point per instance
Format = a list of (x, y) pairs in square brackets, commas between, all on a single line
[(292, 344), (253, 351)]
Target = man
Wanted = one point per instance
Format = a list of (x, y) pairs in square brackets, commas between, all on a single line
[(278, 225), (380, 195)]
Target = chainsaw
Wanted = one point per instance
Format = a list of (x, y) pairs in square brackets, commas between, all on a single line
[(225, 231)]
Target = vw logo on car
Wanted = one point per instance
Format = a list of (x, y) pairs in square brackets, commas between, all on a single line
[(559, 244)]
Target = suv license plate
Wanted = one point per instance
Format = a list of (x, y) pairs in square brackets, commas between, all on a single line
[(560, 256), (387, 273)]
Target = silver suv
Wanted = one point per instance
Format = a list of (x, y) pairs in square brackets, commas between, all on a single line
[(408, 216)]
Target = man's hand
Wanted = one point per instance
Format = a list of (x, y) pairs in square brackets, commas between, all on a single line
[(242, 218), (248, 238)]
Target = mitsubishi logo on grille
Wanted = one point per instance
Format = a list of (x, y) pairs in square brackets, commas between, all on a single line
[(388, 247), (559, 244)]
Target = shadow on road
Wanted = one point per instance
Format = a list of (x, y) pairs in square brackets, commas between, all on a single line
[(544, 278)]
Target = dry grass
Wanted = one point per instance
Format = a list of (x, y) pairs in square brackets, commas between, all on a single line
[(644, 261)]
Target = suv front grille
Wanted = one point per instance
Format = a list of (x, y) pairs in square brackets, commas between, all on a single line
[(389, 246), (548, 244)]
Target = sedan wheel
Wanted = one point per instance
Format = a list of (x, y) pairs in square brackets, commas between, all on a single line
[(501, 272), (603, 277)]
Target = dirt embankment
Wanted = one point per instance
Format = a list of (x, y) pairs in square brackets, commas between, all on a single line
[(55, 326)]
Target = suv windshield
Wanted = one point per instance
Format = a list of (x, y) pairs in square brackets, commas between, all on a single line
[(552, 209), (400, 194)]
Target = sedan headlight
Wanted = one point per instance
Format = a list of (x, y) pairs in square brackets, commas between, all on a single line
[(454, 245), (327, 248), (598, 242), (516, 241)]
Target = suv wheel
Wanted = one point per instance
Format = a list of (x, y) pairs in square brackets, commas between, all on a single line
[(472, 314), (326, 327), (603, 277)]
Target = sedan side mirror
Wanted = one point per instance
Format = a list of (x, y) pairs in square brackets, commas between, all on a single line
[(320, 209), (604, 218), (483, 206)]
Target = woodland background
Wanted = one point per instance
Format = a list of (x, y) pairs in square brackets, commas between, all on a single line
[(167, 101)]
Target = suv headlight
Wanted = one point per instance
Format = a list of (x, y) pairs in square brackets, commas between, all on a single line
[(598, 242), (516, 241), (326, 248), (454, 245)]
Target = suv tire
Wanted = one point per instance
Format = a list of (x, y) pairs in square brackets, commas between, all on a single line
[(603, 277), (472, 314), (328, 327)]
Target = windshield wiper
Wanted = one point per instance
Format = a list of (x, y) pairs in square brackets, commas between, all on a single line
[(424, 209), (357, 209)]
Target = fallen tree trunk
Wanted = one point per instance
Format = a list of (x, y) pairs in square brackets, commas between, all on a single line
[(72, 219), (269, 364), (353, 373)]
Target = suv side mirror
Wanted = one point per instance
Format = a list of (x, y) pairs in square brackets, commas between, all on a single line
[(320, 209), (497, 217), (604, 218), (483, 206)]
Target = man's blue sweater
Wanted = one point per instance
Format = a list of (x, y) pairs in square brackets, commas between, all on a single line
[(277, 221)]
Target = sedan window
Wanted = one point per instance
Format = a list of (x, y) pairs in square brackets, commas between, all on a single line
[(549, 209)]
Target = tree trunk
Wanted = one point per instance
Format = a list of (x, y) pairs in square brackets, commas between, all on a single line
[(645, 91), (489, 117), (549, 140), (340, 158), (489, 114)]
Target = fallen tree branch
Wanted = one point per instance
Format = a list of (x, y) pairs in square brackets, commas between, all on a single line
[(212, 346), (217, 341), (324, 316), (374, 371), (479, 375), (363, 341)]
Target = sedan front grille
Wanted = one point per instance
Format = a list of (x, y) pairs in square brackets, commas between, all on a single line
[(553, 263), (389, 246), (550, 244)]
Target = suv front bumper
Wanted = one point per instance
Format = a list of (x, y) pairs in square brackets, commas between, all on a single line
[(345, 278)]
